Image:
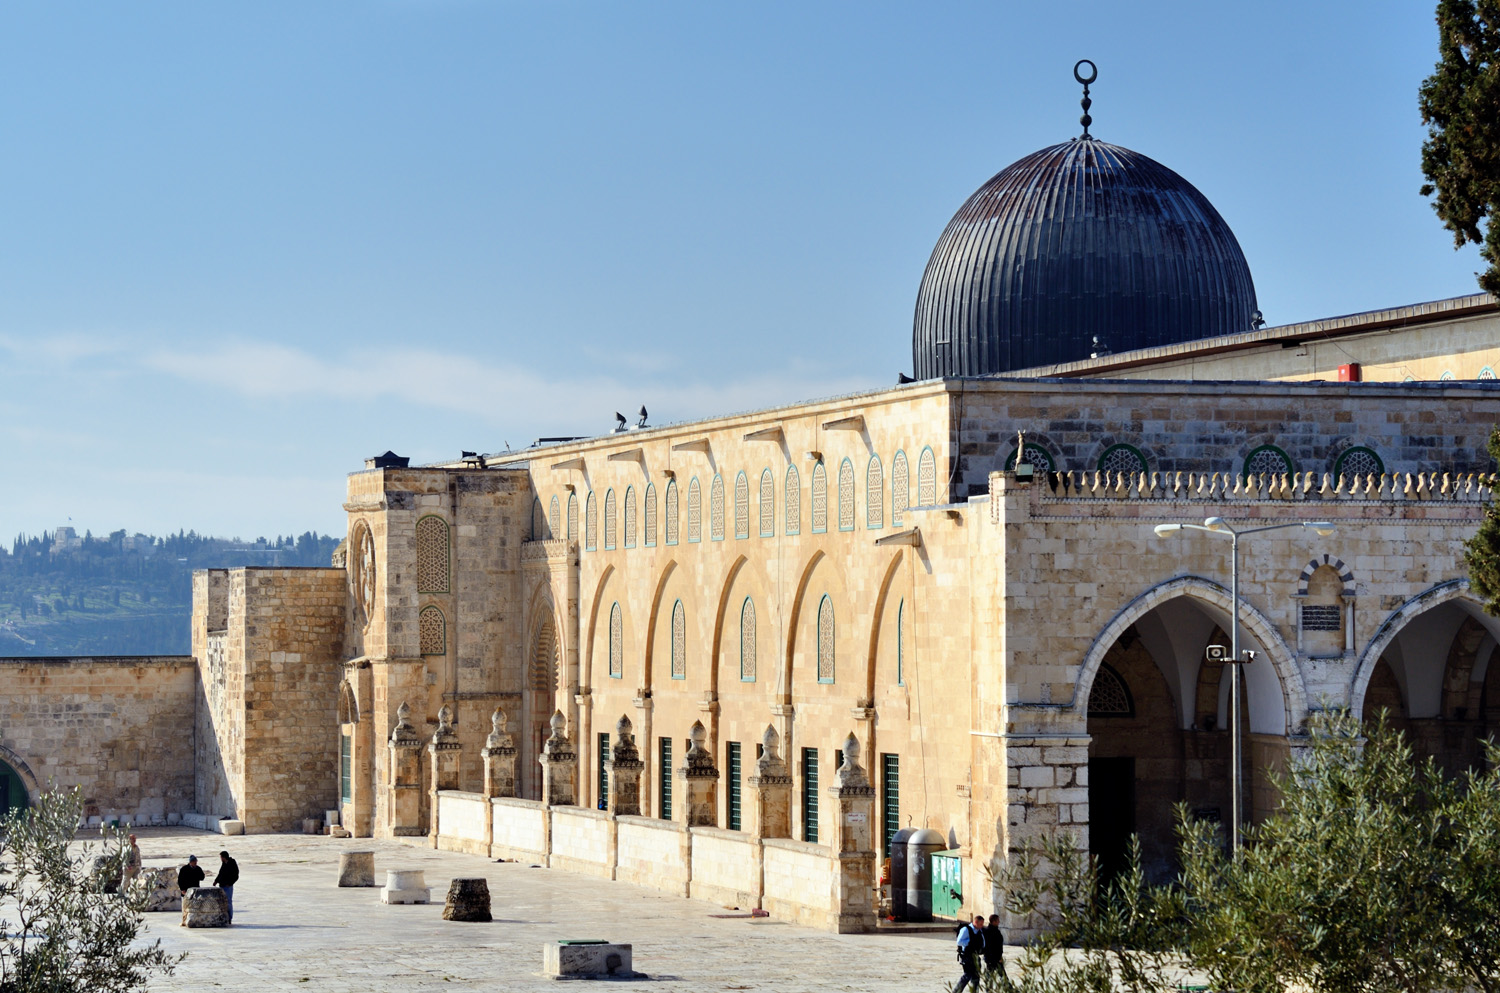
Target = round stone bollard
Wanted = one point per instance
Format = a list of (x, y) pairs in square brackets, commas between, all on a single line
[(468, 900), (162, 894), (405, 886), (205, 906), (357, 869)]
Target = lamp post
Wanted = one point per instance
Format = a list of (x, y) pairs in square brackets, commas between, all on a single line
[(1216, 525)]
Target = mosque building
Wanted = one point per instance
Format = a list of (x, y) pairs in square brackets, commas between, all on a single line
[(732, 658)]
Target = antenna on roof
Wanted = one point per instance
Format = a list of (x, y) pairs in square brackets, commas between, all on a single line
[(1085, 103)]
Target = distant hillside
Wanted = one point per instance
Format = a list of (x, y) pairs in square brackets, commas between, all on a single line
[(125, 594)]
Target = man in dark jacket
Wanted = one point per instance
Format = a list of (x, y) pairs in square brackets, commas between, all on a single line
[(229, 874), (189, 875), (994, 950)]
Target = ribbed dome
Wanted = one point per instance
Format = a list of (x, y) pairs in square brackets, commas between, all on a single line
[(1075, 241)]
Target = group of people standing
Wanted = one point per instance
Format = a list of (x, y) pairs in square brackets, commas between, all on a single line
[(192, 874), (978, 944)]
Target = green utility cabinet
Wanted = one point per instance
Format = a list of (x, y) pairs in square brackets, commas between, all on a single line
[(947, 883)]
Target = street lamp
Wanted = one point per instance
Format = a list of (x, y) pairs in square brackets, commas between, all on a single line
[(1216, 525)]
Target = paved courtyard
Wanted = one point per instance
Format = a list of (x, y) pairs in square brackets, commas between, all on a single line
[(296, 930)]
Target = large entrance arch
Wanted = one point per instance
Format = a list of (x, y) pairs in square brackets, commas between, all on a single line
[(1157, 717), (538, 704), (18, 785), (1431, 668)]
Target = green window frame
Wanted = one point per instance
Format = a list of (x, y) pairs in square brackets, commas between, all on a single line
[(346, 767), (1268, 450), (732, 767), (890, 799), (603, 776), (1341, 466), (810, 795), (664, 778)]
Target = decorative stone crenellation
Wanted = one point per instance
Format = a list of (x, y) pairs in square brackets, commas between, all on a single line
[(500, 757), (770, 791), (625, 767), (559, 765), (700, 778), (406, 775)]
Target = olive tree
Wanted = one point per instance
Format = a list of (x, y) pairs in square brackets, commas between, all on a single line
[(66, 928)]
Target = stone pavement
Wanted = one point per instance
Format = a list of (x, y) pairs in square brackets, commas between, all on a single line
[(296, 930)]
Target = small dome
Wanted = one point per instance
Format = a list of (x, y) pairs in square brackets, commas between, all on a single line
[(1079, 243)]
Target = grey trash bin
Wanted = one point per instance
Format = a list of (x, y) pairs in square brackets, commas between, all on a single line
[(897, 854), (919, 849)]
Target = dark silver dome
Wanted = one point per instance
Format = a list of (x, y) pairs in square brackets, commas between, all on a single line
[(1079, 242)]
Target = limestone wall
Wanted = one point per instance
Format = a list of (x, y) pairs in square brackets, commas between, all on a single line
[(581, 841), (651, 854), (119, 727), (799, 881), (519, 830), (461, 816), (726, 868)]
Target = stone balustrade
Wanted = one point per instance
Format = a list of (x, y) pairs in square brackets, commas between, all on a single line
[(1299, 486)]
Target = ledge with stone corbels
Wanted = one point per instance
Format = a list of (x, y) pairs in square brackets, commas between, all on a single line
[(1228, 486)]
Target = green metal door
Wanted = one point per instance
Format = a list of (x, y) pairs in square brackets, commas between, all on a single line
[(947, 884)]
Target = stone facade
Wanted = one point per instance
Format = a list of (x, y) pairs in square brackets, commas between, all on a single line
[(121, 729)]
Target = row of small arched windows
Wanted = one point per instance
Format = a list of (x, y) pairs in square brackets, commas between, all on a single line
[(1266, 459), (642, 526)]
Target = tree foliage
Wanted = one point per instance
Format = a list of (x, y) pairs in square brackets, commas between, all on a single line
[(1460, 104), (62, 932), (1482, 551), (1378, 874)]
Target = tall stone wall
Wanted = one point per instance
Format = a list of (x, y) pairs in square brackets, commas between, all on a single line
[(219, 722), (119, 727)]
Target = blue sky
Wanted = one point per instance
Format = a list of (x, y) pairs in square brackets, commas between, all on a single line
[(244, 246)]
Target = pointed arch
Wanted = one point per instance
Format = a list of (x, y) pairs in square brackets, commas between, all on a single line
[(767, 504), (716, 508), (794, 618), (1429, 599), (827, 640), (572, 516), (846, 495), (882, 602), (672, 519), (652, 620), (630, 519), (554, 519), (649, 515), (610, 519), (793, 500), (695, 511), (1216, 601), (874, 494), (538, 520), (748, 646), (679, 640), (741, 506), (819, 499), (927, 478)]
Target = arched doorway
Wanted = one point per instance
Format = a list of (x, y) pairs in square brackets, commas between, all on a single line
[(1432, 671), (539, 703), (1158, 723), (13, 794)]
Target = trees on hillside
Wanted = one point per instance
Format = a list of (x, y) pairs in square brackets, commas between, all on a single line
[(1460, 104), (1377, 875)]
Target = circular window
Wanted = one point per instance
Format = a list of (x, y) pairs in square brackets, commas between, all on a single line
[(1358, 462), (1122, 459), (1268, 460), (1039, 457)]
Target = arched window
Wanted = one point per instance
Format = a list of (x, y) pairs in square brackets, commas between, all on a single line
[(630, 529), (650, 515), (825, 640), (927, 479), (671, 511), (741, 506), (695, 511), (554, 519), (572, 516), (610, 519), (846, 495), (900, 489), (431, 631), (679, 641), (616, 642), (1267, 460), (1110, 697), (716, 509), (590, 522), (432, 555), (901, 643), (767, 504), (538, 520), (874, 494), (1125, 459), (793, 500), (1037, 457), (1486, 373), (1358, 463), (747, 641), (819, 499), (1447, 376)]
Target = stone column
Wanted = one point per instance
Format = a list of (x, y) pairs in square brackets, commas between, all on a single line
[(853, 886), (405, 815), (770, 792), (698, 777), (499, 758), (624, 771), (445, 753), (559, 766)]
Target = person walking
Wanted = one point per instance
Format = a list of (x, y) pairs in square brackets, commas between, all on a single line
[(228, 875), (970, 949), (189, 875), (132, 864), (994, 951)]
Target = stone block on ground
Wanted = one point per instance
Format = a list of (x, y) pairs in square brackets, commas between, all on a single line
[(162, 894), (589, 959), (468, 900), (334, 831), (205, 906), (356, 868), (405, 886), (311, 825), (332, 817), (231, 827)]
